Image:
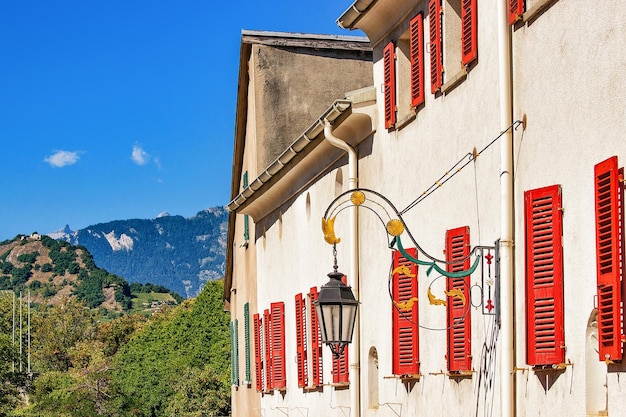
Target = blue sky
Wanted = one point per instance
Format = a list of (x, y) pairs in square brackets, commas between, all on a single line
[(115, 109)]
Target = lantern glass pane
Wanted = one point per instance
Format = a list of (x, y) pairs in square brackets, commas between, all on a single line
[(322, 324), (348, 319), (332, 322)]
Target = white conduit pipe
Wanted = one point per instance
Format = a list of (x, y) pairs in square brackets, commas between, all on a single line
[(507, 281), (354, 350)]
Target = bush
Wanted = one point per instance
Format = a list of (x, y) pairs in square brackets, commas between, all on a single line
[(28, 258)]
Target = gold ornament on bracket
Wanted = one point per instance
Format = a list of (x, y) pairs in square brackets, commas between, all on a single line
[(328, 227), (395, 227), (357, 198)]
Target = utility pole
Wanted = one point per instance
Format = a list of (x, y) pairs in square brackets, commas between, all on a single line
[(21, 337)]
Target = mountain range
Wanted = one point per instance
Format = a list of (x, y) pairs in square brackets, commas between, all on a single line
[(179, 253)]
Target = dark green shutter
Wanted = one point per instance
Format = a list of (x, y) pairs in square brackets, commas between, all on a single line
[(246, 316), (232, 353), (236, 332)]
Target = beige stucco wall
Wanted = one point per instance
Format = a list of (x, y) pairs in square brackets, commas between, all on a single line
[(283, 97), (566, 71), (404, 163), (293, 85), (244, 398)]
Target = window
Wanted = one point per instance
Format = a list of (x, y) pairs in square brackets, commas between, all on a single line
[(403, 63), (301, 341), (246, 335), (405, 316), (453, 41), (459, 323), (545, 339), (258, 352), (316, 343), (609, 200)]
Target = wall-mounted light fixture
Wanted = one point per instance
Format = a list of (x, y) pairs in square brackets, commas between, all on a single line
[(336, 311)]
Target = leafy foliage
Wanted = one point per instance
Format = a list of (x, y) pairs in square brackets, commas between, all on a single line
[(186, 338), (175, 363), (56, 329)]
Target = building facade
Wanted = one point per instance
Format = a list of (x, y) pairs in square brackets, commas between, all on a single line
[(473, 197)]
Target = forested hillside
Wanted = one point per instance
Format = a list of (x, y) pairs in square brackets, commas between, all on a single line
[(49, 270), (173, 363)]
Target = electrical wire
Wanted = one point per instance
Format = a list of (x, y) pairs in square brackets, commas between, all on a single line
[(471, 157)]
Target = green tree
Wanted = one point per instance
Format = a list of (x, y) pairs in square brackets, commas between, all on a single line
[(59, 394), (55, 330), (187, 338), (28, 258), (10, 382), (199, 393)]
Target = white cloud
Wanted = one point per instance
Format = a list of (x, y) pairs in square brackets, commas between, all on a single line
[(60, 159), (139, 156)]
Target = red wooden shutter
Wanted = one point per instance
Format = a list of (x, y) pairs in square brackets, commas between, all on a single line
[(459, 321), (258, 352), (316, 344), (516, 10), (545, 336), (301, 352), (278, 345), (389, 63), (341, 374), (609, 256), (417, 59), (405, 318), (267, 330), (436, 53), (469, 33)]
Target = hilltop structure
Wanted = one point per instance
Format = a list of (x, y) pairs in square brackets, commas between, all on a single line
[(471, 191)]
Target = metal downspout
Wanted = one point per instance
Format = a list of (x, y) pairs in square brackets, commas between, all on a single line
[(354, 350), (507, 281)]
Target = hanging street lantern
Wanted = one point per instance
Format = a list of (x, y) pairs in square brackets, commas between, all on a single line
[(336, 312)]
